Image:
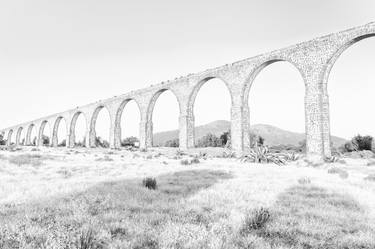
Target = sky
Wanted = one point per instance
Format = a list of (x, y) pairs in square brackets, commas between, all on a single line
[(56, 55)]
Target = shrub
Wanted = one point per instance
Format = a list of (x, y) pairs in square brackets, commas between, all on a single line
[(149, 183), (185, 162), (256, 140), (172, 143), (87, 240), (225, 138), (209, 140), (261, 154), (255, 220), (358, 143), (130, 141), (2, 141), (195, 160), (99, 142), (62, 144)]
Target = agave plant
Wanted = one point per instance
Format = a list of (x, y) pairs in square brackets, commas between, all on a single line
[(261, 154)]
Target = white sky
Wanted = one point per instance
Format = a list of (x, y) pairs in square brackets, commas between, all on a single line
[(55, 55)]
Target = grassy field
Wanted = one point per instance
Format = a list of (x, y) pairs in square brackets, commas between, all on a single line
[(80, 199)]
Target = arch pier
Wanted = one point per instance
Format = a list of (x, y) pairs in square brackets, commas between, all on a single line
[(313, 59)]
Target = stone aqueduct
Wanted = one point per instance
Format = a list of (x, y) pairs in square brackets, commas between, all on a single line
[(313, 59)]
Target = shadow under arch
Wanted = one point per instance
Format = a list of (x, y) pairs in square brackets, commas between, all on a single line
[(118, 117), (72, 130), (150, 111), (55, 130), (253, 75)]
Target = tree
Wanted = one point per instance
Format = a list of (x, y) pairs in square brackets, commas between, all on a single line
[(362, 142), (99, 142), (130, 141), (256, 140), (225, 138), (172, 143), (45, 140), (2, 141), (209, 140)]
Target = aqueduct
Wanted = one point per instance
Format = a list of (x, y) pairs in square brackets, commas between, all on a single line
[(313, 59)]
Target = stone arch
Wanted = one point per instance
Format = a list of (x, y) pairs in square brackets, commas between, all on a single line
[(72, 130), (92, 127), (55, 130), (41, 132), (325, 77), (337, 53), (249, 83), (28, 134), (18, 135), (191, 102), (9, 137), (193, 94), (150, 110), (253, 75), (117, 123)]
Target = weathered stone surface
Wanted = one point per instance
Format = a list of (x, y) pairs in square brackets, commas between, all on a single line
[(313, 59)]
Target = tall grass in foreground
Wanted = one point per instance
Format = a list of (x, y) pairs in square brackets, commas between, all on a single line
[(121, 214), (125, 214)]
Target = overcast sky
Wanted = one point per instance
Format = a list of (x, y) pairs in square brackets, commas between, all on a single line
[(55, 55)]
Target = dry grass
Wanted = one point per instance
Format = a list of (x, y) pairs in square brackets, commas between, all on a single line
[(342, 173), (122, 213), (28, 159)]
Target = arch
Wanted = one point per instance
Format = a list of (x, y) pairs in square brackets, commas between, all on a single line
[(253, 75), (338, 53), (55, 131), (72, 131), (9, 137), (198, 86), (42, 140), (93, 138), (341, 97), (193, 135), (29, 139), (150, 111), (118, 118), (266, 94), (18, 135)]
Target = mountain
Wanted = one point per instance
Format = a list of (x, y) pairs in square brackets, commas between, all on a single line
[(271, 134)]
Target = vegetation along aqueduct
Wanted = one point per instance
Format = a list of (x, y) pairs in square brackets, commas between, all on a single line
[(313, 59)]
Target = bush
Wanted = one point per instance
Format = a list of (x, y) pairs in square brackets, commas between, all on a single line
[(209, 140), (130, 141), (172, 143), (256, 140), (255, 220), (62, 144), (261, 154), (2, 141), (149, 183), (87, 240), (358, 143), (45, 140), (99, 142)]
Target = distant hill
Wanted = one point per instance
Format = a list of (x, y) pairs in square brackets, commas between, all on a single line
[(271, 134)]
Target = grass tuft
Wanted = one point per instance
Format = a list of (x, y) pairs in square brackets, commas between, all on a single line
[(255, 220), (149, 183), (370, 177), (342, 173)]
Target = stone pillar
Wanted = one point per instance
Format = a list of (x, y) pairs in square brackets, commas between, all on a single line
[(246, 127), (149, 133), (18, 137), (90, 135), (326, 126), (142, 134), (237, 132), (313, 120), (186, 131), (114, 133), (54, 140)]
